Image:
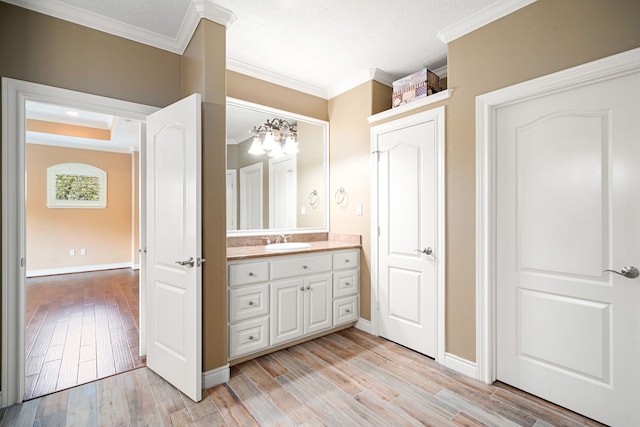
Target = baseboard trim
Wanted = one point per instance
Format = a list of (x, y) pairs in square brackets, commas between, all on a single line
[(78, 269), (459, 364), (215, 377), (364, 325)]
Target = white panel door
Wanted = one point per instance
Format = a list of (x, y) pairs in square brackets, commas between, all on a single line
[(251, 209), (286, 310), (282, 192), (174, 303), (318, 292), (406, 245), (568, 208)]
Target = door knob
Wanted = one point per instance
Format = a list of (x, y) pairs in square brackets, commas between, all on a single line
[(427, 251), (188, 263), (630, 272)]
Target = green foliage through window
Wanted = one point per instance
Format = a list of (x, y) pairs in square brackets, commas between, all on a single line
[(77, 187)]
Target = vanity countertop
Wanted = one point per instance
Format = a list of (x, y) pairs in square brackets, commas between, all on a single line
[(248, 252)]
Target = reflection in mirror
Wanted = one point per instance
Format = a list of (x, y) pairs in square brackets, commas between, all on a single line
[(277, 171)]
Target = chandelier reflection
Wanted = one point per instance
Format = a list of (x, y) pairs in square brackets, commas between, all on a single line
[(276, 137)]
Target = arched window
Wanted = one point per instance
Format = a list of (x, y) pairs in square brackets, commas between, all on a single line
[(76, 185)]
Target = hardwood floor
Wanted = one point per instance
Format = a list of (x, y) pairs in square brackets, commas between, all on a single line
[(80, 327), (347, 378)]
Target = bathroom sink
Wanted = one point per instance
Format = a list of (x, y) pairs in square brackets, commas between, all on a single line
[(289, 246)]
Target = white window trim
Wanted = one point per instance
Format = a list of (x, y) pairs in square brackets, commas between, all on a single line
[(76, 169)]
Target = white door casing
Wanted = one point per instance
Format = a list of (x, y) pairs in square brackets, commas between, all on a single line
[(174, 236), (232, 200), (408, 275), (561, 154), (15, 93), (251, 197), (282, 192)]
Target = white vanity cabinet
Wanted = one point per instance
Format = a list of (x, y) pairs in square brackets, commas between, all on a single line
[(346, 286), (282, 298), (300, 307)]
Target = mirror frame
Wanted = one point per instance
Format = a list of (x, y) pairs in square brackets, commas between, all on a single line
[(325, 160)]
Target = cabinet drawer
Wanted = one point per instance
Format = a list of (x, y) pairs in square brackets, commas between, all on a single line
[(345, 283), (348, 259), (298, 266), (248, 337), (250, 272), (248, 301), (345, 310)]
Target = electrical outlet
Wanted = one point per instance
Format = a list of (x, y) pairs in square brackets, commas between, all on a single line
[(72, 252), (303, 210), (359, 209), (83, 251)]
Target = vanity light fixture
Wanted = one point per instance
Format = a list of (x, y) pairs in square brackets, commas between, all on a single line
[(276, 137)]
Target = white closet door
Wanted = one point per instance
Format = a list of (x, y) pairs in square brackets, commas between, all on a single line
[(568, 208)]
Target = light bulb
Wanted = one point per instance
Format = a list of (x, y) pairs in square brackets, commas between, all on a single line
[(290, 145), (256, 146), (269, 141)]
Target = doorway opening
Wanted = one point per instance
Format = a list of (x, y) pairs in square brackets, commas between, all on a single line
[(15, 263), (82, 236)]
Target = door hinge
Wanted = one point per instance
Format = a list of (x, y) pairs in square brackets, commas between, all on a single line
[(21, 262)]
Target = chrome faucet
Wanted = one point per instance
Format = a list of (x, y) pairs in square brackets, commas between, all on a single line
[(282, 238)]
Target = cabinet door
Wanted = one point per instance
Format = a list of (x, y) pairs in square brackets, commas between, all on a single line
[(286, 310), (317, 303)]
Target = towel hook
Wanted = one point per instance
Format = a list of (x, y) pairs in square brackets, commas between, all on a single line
[(313, 198), (340, 195)]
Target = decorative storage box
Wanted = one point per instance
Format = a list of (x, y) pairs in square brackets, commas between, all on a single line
[(415, 86)]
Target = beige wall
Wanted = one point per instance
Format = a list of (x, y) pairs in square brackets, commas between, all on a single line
[(106, 234), (204, 72), (264, 93), (349, 166)]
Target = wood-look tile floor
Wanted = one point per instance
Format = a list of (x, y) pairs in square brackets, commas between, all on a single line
[(344, 379), (80, 327)]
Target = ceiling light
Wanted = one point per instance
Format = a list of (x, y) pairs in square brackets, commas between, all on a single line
[(278, 138), (73, 113)]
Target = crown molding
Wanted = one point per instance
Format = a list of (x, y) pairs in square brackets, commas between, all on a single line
[(481, 18), (360, 78), (275, 78), (77, 143), (441, 72), (197, 10)]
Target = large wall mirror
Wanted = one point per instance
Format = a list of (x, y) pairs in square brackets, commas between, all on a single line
[(277, 171)]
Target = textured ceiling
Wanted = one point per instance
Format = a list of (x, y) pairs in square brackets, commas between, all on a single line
[(329, 43), (321, 46)]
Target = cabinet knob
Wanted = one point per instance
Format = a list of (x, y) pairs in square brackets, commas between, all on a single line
[(348, 311), (304, 267), (302, 288), (250, 302), (308, 287), (347, 284), (252, 274), (250, 337), (347, 260)]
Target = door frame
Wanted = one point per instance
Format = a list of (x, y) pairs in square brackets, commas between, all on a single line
[(294, 192), (15, 93), (487, 106), (438, 116), (243, 191)]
